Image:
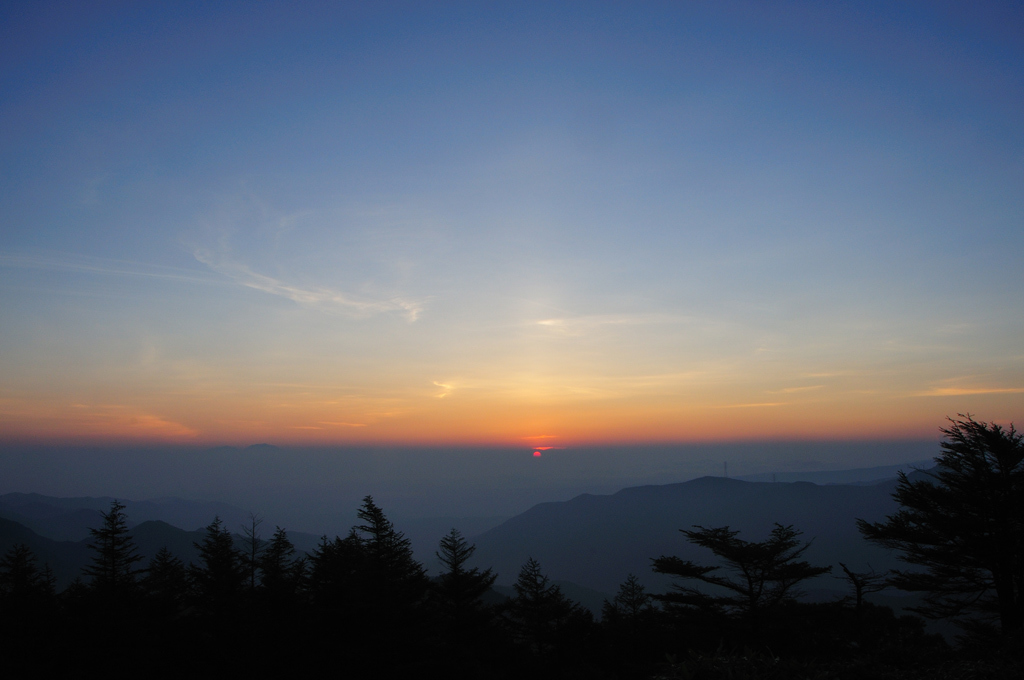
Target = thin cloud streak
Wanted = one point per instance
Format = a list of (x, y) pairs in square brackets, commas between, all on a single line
[(81, 264), (760, 405), (966, 391), (310, 297), (577, 325), (792, 390)]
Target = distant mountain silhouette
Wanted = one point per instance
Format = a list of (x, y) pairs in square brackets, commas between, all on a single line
[(252, 448), (262, 448), (58, 524), (67, 558), (69, 519), (862, 476), (596, 541)]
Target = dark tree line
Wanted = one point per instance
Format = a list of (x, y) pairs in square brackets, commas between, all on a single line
[(254, 607)]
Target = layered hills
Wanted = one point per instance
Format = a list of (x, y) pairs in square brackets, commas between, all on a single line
[(57, 529), (69, 519), (592, 542), (597, 540)]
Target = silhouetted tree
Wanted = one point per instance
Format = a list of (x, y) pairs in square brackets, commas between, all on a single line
[(281, 572), (220, 577), (397, 580), (28, 608), (335, 570), (23, 585), (165, 583), (632, 626), (863, 583), (964, 523), (631, 602), (541, 617), (459, 588), (113, 569), (380, 589), (467, 624), (252, 549), (764, 574)]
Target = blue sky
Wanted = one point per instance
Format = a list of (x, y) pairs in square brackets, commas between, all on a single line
[(557, 222)]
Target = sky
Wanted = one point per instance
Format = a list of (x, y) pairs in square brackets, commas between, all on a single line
[(508, 224)]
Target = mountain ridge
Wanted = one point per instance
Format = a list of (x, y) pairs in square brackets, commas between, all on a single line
[(597, 540)]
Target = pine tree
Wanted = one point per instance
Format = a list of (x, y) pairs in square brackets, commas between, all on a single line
[(964, 523), (281, 572), (398, 577), (458, 588), (630, 603), (335, 573), (220, 577), (631, 625), (27, 603), (539, 613), (22, 583), (764, 574), (165, 583), (391, 600), (252, 549), (113, 570)]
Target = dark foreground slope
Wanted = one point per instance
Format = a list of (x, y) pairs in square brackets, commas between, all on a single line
[(596, 541)]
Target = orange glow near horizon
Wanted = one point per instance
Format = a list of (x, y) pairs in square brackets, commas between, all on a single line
[(480, 421), (559, 245)]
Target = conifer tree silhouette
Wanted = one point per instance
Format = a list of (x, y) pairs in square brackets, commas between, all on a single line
[(281, 572), (112, 570), (219, 578), (964, 523), (335, 571), (390, 597), (399, 579), (460, 588), (630, 622), (630, 603), (764, 574), (253, 546), (23, 585), (165, 583), (28, 609), (540, 613)]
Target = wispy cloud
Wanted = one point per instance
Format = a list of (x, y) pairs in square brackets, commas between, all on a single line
[(792, 390), (318, 296), (577, 325), (118, 420), (444, 386), (766, 404), (82, 264), (966, 391)]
